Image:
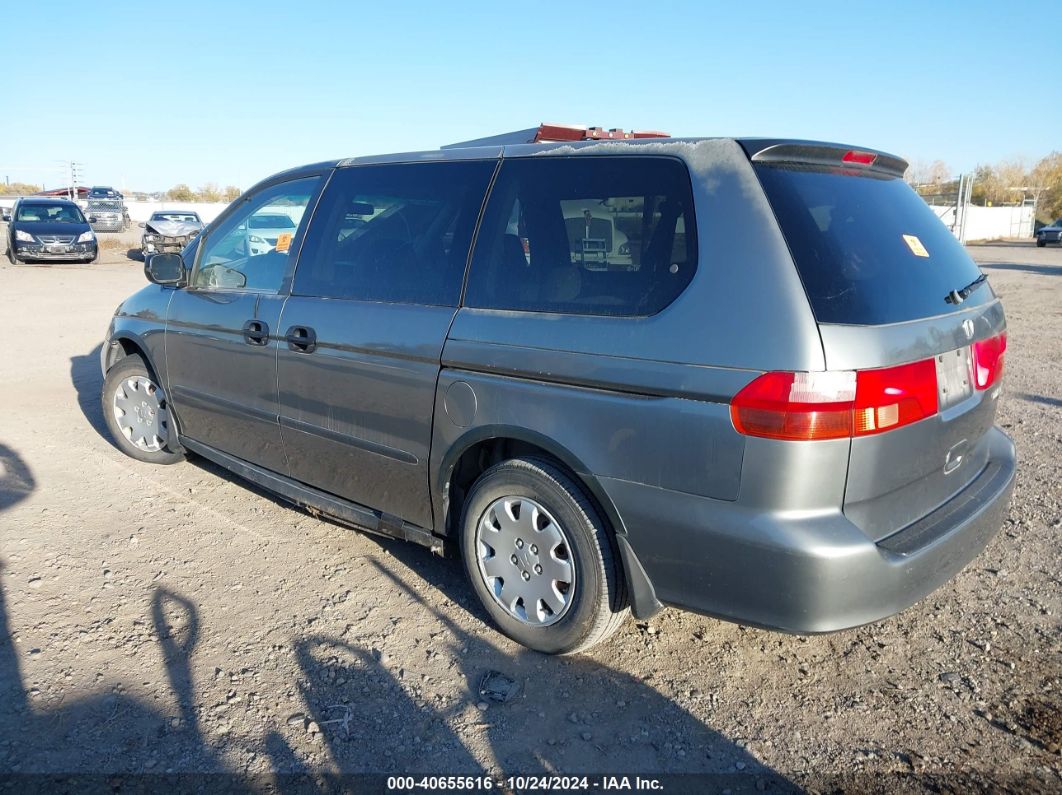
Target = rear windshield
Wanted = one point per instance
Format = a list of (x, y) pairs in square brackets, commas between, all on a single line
[(868, 248)]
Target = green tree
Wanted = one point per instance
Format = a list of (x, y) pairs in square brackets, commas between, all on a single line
[(180, 193)]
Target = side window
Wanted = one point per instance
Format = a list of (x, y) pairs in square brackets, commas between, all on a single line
[(394, 233), (588, 235), (249, 250)]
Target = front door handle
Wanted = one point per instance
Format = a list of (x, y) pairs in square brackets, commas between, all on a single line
[(301, 339), (255, 332)]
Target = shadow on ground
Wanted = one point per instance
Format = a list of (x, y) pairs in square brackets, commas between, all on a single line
[(87, 378), (1045, 399), (376, 715)]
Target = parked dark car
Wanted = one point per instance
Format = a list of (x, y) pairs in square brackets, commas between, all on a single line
[(103, 192), (49, 230), (1052, 233), (779, 412)]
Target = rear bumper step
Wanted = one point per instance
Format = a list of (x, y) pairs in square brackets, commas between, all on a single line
[(805, 572), (968, 503)]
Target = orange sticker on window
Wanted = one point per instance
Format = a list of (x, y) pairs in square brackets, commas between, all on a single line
[(915, 245), (283, 241)]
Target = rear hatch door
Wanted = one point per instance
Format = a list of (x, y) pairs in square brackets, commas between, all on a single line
[(890, 285)]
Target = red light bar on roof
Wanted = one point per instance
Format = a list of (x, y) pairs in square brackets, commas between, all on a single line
[(859, 158), (568, 132)]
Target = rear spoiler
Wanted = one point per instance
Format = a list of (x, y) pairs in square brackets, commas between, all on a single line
[(824, 154)]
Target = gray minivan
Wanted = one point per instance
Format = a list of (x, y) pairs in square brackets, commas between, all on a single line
[(776, 408)]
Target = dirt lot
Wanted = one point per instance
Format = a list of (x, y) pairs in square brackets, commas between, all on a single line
[(173, 620)]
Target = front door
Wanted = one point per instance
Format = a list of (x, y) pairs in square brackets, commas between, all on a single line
[(221, 330), (375, 291)]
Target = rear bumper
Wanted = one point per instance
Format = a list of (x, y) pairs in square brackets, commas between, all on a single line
[(805, 572)]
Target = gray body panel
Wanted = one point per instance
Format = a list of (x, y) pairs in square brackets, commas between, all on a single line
[(140, 322), (356, 413), (224, 389)]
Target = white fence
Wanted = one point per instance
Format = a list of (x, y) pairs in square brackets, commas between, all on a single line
[(208, 211), (989, 223), (141, 211), (982, 223)]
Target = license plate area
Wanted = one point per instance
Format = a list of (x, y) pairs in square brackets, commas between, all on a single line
[(954, 377)]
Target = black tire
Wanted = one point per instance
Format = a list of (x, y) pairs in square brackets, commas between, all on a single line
[(11, 257), (1040, 243), (598, 603), (130, 367)]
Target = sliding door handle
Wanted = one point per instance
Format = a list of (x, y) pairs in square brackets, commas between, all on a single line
[(255, 332), (301, 339)]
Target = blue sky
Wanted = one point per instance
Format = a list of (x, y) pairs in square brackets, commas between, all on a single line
[(232, 94)]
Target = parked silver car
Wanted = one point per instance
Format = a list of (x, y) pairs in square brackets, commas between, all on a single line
[(169, 230), (109, 214), (780, 411)]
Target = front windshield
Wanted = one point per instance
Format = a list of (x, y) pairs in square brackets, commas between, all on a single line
[(50, 213)]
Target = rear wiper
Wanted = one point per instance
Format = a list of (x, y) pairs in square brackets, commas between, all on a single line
[(958, 296)]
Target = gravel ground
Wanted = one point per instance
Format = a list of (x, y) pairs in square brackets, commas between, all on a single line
[(172, 619)]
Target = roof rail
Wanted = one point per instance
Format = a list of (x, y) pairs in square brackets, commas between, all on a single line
[(557, 132)]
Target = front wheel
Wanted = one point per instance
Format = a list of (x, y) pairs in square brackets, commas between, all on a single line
[(541, 559), (137, 413), (1040, 243)]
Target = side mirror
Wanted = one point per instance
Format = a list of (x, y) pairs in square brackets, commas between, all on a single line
[(166, 269), (92, 219), (142, 225)]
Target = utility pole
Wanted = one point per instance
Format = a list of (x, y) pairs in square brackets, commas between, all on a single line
[(74, 178)]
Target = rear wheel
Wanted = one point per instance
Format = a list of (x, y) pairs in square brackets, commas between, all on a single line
[(541, 559), (137, 413), (1041, 243)]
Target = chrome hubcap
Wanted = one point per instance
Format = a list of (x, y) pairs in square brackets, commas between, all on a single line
[(140, 412), (525, 560)]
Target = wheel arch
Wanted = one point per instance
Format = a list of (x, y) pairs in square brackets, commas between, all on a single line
[(122, 344), (480, 447)]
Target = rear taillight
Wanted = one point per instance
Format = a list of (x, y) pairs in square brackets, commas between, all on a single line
[(796, 406), (835, 404), (988, 360), (894, 396)]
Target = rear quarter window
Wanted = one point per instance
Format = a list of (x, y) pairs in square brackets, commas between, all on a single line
[(585, 236), (868, 249)]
